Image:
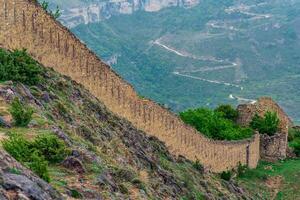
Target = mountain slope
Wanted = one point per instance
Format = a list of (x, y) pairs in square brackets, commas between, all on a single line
[(230, 51), (111, 158)]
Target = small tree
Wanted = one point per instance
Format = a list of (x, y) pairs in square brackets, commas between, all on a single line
[(51, 147), (227, 111), (56, 14), (21, 114), (266, 125), (20, 67)]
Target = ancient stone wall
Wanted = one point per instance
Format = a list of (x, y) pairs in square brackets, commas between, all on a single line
[(24, 24), (271, 148)]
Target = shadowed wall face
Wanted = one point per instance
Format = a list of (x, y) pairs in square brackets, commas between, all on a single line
[(24, 24)]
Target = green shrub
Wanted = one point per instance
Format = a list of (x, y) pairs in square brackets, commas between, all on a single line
[(293, 134), (36, 154), (266, 125), (198, 166), (295, 144), (18, 147), (228, 112), (51, 147), (75, 194), (39, 165), (226, 175), (20, 67), (55, 14), (15, 171), (21, 114), (241, 169), (214, 125)]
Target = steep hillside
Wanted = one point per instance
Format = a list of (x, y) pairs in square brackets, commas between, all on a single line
[(108, 158), (229, 51)]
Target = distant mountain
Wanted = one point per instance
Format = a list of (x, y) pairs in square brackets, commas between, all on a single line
[(90, 11), (229, 51)]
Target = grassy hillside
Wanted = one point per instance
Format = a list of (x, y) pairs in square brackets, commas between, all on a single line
[(205, 55), (107, 157), (274, 180)]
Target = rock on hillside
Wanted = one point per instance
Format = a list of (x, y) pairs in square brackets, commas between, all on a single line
[(109, 158), (18, 182)]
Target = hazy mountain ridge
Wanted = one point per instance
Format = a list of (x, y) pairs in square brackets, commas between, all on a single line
[(230, 51), (95, 11)]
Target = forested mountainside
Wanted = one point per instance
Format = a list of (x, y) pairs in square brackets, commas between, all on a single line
[(215, 52)]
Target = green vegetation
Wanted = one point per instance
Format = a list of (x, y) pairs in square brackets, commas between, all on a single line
[(269, 66), (278, 180), (266, 125), (228, 112), (20, 67), (226, 175), (197, 165), (21, 114), (97, 137), (36, 154), (38, 164), (51, 147), (214, 125), (294, 140), (56, 14), (75, 194)]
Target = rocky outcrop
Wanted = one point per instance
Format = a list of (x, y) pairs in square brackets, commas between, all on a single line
[(99, 10), (18, 182)]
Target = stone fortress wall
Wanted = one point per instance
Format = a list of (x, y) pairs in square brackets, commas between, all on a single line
[(271, 147), (24, 24)]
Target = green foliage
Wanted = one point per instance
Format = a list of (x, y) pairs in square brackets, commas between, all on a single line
[(75, 194), (295, 144), (20, 67), (254, 180), (14, 171), (17, 147), (51, 147), (197, 165), (21, 114), (228, 111), (266, 125), (293, 134), (56, 14), (39, 165), (37, 153), (179, 29), (226, 175), (294, 140), (214, 125), (241, 169)]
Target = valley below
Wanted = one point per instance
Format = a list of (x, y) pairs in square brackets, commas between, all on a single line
[(203, 53)]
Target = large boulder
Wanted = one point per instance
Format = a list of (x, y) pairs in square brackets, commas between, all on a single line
[(17, 182)]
